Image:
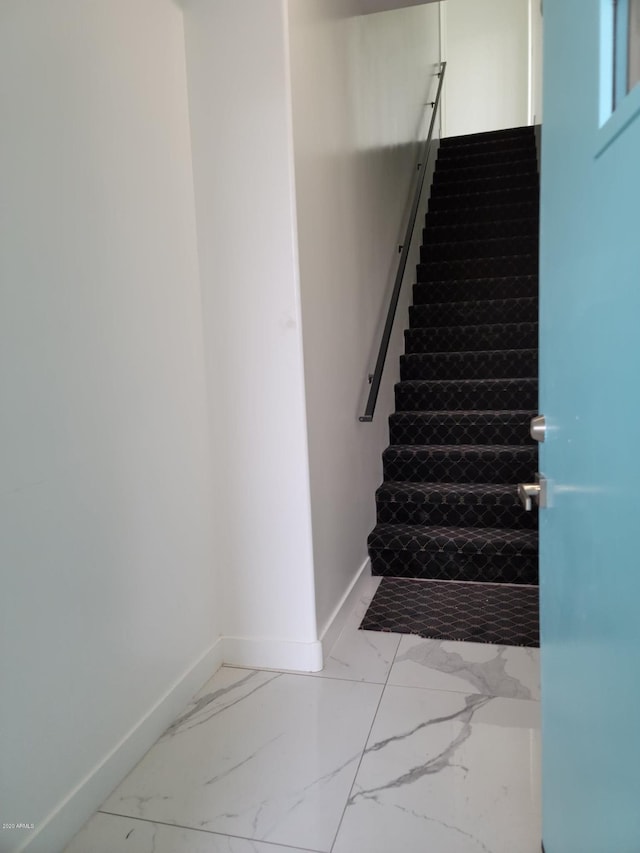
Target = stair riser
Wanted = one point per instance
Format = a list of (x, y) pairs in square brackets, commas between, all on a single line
[(438, 565), (463, 185), (450, 160), (466, 290), (472, 215), (468, 338), (413, 396), (473, 313), (524, 131), (424, 468), (506, 364), (478, 268), (527, 195), (474, 231), (486, 248), (498, 145), (409, 428), (450, 170), (456, 515)]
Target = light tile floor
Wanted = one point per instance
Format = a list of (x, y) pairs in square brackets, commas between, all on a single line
[(400, 744)]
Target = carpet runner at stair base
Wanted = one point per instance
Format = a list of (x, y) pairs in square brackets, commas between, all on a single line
[(450, 524), (476, 612)]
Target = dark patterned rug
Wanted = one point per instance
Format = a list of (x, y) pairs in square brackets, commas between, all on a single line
[(503, 614)]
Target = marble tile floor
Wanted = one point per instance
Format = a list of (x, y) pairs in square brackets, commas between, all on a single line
[(400, 744)]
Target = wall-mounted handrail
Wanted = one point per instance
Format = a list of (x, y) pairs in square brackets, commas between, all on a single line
[(376, 378)]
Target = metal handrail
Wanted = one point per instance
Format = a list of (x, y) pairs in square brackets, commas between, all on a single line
[(376, 377)]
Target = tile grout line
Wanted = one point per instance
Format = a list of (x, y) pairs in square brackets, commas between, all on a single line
[(375, 715), (281, 672), (209, 832), (462, 692)]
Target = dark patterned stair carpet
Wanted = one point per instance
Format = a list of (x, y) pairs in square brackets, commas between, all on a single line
[(457, 552), (448, 610)]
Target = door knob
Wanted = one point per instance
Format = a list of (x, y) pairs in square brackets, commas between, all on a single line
[(538, 428)]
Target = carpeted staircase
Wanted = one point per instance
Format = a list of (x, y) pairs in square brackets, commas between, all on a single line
[(448, 509)]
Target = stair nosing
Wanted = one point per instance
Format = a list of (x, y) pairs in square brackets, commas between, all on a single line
[(463, 352), (531, 449), (457, 412), (528, 164), (471, 183), (475, 326), (509, 299), (481, 240), (466, 382), (488, 258), (526, 538), (471, 488), (453, 281)]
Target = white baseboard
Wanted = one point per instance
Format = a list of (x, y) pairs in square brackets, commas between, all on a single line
[(72, 813), (264, 653), (335, 623), (79, 805)]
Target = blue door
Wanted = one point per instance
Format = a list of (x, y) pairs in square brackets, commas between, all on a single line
[(590, 395)]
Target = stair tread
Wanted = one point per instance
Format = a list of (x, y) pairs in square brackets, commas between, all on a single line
[(503, 148), (490, 492), (452, 282), (525, 173), (482, 203), (522, 221), (481, 193), (487, 258), (454, 450), (471, 338), (479, 233), (527, 162), (480, 414), (479, 326), (470, 155), (487, 212), (498, 210), (460, 245), (439, 383), (465, 290), (454, 365), (465, 353), (487, 303), (522, 263), (469, 185), (413, 537)]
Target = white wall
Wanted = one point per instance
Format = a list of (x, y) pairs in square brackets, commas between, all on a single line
[(243, 161), (487, 52), (367, 7), (110, 601), (154, 432), (359, 89), (536, 70)]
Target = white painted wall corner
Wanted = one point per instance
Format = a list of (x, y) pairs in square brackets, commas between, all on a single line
[(69, 816), (335, 623), (268, 653)]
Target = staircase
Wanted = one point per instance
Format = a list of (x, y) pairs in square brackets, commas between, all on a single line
[(448, 508)]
